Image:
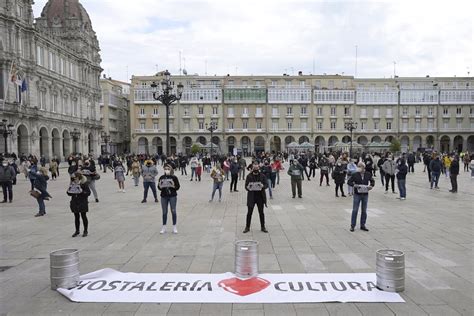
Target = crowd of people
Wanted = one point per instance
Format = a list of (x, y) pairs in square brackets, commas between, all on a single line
[(261, 176)]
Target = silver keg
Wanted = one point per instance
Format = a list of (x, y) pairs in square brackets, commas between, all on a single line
[(64, 265), (390, 270), (246, 258)]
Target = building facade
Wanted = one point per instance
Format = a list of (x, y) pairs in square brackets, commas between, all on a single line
[(55, 60), (115, 116), (266, 113)]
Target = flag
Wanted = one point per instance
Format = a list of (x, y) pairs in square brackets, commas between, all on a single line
[(24, 85), (13, 73)]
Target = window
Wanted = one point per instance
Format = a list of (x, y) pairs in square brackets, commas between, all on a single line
[(275, 111), (186, 125), (289, 110), (75, 108), (289, 125), (405, 110), (50, 64), (274, 83), (376, 112), (304, 125), (244, 83), (417, 125), (214, 110), (333, 111), (445, 124), (201, 125), (230, 111), (417, 111), (304, 110), (347, 111), (405, 125), (42, 100), (65, 105), (445, 111), (245, 111), (2, 85), (331, 84), (288, 84), (344, 84), (245, 124), (55, 103), (362, 125), (333, 125), (459, 124), (389, 112), (142, 125), (302, 83), (430, 125), (319, 125), (142, 111), (275, 125), (363, 112), (258, 111), (258, 83), (389, 125), (156, 126), (170, 111), (200, 110), (385, 86), (319, 111), (458, 111), (231, 124), (430, 111), (376, 126), (259, 124), (155, 111)]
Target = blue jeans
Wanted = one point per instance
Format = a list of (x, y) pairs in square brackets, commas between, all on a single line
[(358, 198), (269, 184), (217, 186), (193, 172), (434, 178), (402, 187), (147, 185), (171, 200), (41, 206)]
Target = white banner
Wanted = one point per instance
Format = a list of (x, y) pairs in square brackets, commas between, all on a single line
[(108, 285)]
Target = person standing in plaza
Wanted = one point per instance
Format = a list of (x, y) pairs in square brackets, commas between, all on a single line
[(136, 171), (193, 162), (234, 174), (435, 168), (389, 167), (324, 167), (276, 168), (217, 174), (339, 176), (453, 174), (119, 174), (89, 171), (243, 166), (351, 169), (380, 163), (79, 192), (198, 171), (7, 174), (295, 171), (402, 171), (41, 186), (255, 184), (53, 168), (446, 165), (362, 182), (168, 184), (266, 170), (411, 162), (149, 173), (304, 163), (466, 159)]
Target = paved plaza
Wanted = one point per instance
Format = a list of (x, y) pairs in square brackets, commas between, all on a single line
[(433, 227)]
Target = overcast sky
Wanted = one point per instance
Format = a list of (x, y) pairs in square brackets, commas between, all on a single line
[(263, 37)]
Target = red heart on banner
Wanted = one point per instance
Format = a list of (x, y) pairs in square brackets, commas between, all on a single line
[(244, 287)]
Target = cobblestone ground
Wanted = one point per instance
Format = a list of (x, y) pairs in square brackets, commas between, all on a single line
[(433, 227)]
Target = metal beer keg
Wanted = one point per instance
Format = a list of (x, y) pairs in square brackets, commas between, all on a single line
[(64, 268), (390, 270), (246, 258)]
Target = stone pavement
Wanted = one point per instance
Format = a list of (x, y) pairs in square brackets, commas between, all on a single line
[(433, 227)]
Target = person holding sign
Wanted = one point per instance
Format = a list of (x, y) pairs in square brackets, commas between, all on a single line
[(362, 182), (255, 184), (79, 192), (296, 173), (168, 184)]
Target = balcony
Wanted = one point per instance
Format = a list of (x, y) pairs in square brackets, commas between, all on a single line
[(334, 96), (259, 114), (186, 115), (457, 96), (289, 115), (292, 95), (230, 115), (214, 115), (142, 116), (377, 96), (419, 96), (446, 115), (200, 115), (245, 95), (389, 116), (275, 115), (363, 115), (201, 95), (304, 115), (459, 115), (155, 116), (245, 115)]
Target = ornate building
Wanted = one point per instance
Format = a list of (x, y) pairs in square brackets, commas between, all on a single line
[(256, 113), (56, 63)]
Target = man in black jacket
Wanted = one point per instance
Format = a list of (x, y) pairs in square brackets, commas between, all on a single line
[(454, 171), (255, 184), (362, 182)]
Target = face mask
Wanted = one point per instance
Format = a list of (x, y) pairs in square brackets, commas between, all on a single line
[(5, 164), (167, 172)]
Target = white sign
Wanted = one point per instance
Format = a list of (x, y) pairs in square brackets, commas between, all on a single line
[(108, 285)]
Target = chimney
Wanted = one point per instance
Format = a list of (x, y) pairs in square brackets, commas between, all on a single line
[(300, 73)]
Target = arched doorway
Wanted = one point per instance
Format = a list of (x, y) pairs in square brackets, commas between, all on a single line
[(143, 145), (470, 143), (416, 143), (172, 145), (202, 140), (389, 138), (362, 140), (303, 139), (332, 140), (430, 141), (376, 139), (216, 141), (275, 144), (444, 144), (66, 143), (346, 139), (246, 145), (259, 144), (157, 145), (319, 144), (457, 143), (44, 142), (231, 144), (187, 143), (22, 140), (55, 144), (289, 140), (404, 144)]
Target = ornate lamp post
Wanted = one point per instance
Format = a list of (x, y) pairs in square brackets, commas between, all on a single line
[(167, 98), (350, 126), (105, 138), (211, 128), (5, 130), (75, 134)]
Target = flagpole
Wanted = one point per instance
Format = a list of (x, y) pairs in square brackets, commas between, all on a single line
[(6, 85)]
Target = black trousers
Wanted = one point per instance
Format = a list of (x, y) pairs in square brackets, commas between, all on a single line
[(324, 174), (260, 213), (340, 186), (233, 182), (306, 171), (392, 180), (411, 168), (454, 182), (77, 222), (312, 171), (7, 187)]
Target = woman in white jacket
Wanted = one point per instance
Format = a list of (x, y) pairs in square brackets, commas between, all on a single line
[(389, 168)]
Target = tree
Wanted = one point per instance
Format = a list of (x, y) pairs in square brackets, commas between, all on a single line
[(195, 149), (396, 146)]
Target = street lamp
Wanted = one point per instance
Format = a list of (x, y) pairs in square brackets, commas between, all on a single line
[(211, 128), (5, 130), (105, 138), (167, 98), (76, 134), (350, 126)]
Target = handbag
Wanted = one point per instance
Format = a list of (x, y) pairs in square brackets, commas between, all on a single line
[(34, 193)]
